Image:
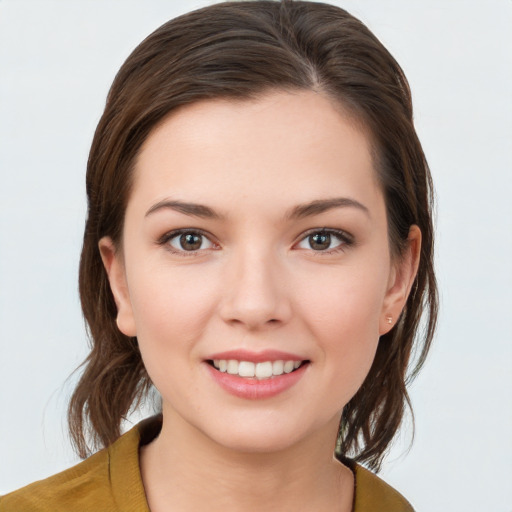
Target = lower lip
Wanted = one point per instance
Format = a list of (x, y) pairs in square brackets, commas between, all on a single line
[(254, 389)]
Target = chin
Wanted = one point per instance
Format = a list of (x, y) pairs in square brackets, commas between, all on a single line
[(272, 435), (268, 443)]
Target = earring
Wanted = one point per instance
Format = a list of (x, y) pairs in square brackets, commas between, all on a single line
[(389, 319)]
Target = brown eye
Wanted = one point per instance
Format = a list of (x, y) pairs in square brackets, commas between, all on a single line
[(319, 241), (189, 241), (324, 240)]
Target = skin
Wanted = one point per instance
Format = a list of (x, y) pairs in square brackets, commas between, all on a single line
[(256, 283)]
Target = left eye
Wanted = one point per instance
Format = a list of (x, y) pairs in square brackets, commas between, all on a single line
[(321, 241), (189, 241)]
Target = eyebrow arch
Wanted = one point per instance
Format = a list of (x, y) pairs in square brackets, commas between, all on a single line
[(322, 205), (193, 209), (298, 212)]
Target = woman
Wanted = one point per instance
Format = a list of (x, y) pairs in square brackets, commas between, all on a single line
[(259, 248)]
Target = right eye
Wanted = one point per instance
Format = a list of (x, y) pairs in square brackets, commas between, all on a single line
[(188, 241)]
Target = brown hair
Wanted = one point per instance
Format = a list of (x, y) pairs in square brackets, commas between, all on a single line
[(241, 50)]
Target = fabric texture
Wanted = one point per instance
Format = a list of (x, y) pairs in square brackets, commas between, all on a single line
[(110, 481)]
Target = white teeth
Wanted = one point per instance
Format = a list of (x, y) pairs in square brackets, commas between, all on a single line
[(288, 366), (232, 367), (246, 369), (278, 367), (263, 370)]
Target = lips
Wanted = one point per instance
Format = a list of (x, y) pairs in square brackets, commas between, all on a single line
[(261, 370), (256, 375)]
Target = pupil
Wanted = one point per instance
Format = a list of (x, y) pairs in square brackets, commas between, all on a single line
[(320, 241), (190, 241)]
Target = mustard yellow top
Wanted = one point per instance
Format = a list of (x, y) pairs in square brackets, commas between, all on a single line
[(110, 481)]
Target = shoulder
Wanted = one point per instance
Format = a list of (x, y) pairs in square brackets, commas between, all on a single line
[(108, 481), (80, 486), (372, 494)]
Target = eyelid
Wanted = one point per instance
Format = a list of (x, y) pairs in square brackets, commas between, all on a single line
[(346, 238), (164, 240)]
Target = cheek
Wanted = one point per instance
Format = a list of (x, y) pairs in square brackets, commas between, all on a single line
[(171, 312), (344, 302), (342, 313), (171, 308)]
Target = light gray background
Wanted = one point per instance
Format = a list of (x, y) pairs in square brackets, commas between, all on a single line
[(57, 60)]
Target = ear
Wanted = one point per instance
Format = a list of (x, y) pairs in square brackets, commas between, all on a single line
[(400, 282), (114, 265)]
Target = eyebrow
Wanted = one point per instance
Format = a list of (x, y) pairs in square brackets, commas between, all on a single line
[(300, 211), (322, 205), (192, 209)]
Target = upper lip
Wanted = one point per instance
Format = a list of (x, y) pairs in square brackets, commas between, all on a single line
[(256, 357)]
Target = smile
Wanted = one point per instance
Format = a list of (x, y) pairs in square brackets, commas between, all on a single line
[(260, 370)]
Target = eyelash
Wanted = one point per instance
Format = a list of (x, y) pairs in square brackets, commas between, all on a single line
[(165, 239), (346, 240)]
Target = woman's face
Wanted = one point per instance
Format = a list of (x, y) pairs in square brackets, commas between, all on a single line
[(255, 242)]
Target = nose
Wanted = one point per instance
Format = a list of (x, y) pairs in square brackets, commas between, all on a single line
[(255, 294)]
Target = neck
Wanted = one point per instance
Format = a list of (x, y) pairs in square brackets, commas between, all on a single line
[(183, 470)]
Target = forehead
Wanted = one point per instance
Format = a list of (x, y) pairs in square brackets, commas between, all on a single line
[(282, 144)]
